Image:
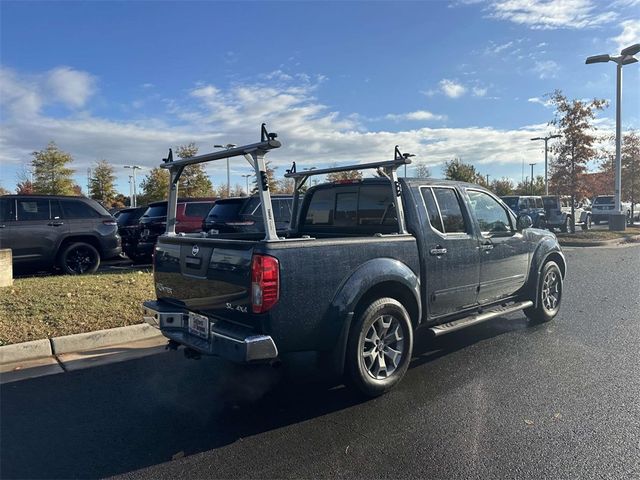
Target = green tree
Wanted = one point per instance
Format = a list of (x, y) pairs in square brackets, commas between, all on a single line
[(502, 186), (52, 175), (155, 186), (456, 169), (575, 149), (421, 170), (525, 187), (194, 181), (102, 184)]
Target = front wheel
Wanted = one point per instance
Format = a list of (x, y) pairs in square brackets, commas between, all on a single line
[(587, 223), (79, 258), (379, 347), (549, 295)]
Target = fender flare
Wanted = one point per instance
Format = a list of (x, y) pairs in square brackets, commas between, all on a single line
[(353, 289)]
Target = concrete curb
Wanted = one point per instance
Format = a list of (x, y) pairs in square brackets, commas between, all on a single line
[(599, 243), (102, 338), (76, 342), (19, 352)]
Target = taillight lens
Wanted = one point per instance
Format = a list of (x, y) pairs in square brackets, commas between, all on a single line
[(265, 283)]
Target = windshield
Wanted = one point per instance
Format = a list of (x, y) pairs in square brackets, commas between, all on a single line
[(603, 200), (512, 202), (156, 211), (226, 210)]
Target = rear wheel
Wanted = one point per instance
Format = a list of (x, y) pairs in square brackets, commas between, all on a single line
[(79, 258), (587, 223), (549, 294), (566, 225), (379, 347)]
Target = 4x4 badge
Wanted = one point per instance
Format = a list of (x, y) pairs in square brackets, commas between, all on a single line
[(195, 250)]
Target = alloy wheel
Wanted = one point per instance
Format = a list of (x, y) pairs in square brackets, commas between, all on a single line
[(383, 347)]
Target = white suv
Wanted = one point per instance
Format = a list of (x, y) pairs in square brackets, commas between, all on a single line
[(604, 205)]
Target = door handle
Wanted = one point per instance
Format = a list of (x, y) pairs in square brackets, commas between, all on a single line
[(438, 250), (55, 224), (487, 247)]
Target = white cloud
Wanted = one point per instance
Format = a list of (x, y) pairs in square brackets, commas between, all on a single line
[(551, 14), (546, 69), (451, 88), (414, 116), (545, 103), (630, 34), (312, 133), (71, 87), (479, 91)]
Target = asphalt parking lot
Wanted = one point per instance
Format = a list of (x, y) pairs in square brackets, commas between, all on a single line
[(500, 400)]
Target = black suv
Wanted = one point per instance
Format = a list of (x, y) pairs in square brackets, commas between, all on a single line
[(129, 229), (244, 214), (72, 233)]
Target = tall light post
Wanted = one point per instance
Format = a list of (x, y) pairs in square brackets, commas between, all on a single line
[(532, 164), (626, 57), (546, 177), (134, 199), (228, 146), (246, 177)]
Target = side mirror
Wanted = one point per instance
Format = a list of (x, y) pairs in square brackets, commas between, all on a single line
[(524, 221)]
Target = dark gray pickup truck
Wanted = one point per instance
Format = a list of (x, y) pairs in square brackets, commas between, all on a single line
[(363, 265)]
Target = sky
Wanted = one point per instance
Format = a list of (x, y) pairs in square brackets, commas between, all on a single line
[(340, 82)]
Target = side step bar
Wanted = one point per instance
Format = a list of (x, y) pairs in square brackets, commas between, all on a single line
[(478, 318)]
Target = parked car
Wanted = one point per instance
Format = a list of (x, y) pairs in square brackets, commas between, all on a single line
[(70, 233), (603, 206), (364, 264), (189, 215), (558, 213), (129, 229), (531, 205), (244, 214)]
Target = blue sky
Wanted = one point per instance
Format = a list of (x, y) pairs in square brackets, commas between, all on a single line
[(339, 81)]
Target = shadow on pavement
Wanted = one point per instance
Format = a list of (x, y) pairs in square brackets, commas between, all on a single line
[(118, 418)]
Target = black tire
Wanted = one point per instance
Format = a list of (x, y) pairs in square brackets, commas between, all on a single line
[(587, 224), (363, 344), (564, 228), (545, 309), (542, 223), (79, 258)]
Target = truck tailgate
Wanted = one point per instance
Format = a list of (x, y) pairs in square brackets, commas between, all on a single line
[(205, 275)]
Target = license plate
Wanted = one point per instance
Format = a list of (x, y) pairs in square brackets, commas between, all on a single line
[(198, 325), (214, 231)]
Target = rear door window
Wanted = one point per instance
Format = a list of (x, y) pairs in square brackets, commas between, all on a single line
[(432, 209), (7, 209), (450, 210), (32, 209), (77, 209)]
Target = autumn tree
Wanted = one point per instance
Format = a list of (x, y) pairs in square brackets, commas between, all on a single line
[(24, 184), (102, 183), (344, 176), (421, 170), (575, 148), (4, 191), (52, 175), (456, 169), (502, 186), (194, 181), (630, 160)]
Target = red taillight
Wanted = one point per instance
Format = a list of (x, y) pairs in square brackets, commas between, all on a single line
[(265, 283)]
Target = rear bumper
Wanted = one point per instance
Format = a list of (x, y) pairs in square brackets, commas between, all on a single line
[(233, 342)]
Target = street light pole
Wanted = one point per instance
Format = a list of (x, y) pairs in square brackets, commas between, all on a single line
[(134, 199), (532, 164), (626, 57), (546, 176), (228, 146), (246, 177)]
